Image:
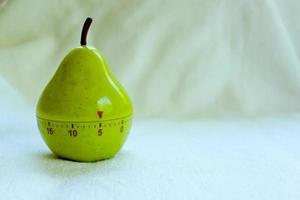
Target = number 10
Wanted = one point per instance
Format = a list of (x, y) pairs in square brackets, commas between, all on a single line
[(73, 133)]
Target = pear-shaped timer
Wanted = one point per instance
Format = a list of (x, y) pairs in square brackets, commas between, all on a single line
[(84, 114)]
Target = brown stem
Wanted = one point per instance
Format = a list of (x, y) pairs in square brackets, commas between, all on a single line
[(85, 30)]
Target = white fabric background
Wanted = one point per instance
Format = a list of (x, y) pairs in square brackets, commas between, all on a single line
[(178, 160), (215, 61), (190, 58)]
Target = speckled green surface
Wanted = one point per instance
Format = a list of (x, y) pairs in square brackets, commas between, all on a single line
[(81, 87)]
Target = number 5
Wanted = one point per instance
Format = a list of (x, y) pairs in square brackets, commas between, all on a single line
[(100, 132)]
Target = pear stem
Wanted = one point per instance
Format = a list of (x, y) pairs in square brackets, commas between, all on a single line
[(85, 30)]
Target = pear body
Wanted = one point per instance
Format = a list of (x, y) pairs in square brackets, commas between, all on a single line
[(84, 114)]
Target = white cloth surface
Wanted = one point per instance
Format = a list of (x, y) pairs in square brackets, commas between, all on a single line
[(162, 159), (188, 58)]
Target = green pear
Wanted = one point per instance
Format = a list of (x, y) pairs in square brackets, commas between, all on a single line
[(84, 114)]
